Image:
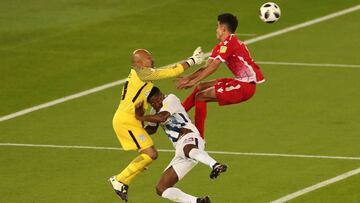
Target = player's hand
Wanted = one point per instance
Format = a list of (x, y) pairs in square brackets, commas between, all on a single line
[(181, 81), (189, 85), (197, 57), (186, 85), (139, 110)]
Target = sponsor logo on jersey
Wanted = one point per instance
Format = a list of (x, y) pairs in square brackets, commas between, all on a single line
[(223, 49)]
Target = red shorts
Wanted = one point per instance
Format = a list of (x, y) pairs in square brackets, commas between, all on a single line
[(231, 91)]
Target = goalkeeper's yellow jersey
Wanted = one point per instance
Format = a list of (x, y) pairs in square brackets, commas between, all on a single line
[(138, 86)]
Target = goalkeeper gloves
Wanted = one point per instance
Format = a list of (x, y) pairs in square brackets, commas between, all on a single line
[(196, 58)]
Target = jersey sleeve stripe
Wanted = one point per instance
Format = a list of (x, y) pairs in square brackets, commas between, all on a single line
[(221, 59)]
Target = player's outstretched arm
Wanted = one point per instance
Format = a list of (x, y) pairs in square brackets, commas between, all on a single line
[(149, 74), (182, 80), (198, 71), (199, 75)]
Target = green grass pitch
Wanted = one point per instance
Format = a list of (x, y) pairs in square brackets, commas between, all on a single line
[(51, 49)]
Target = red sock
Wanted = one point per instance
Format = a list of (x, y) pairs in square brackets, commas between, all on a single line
[(200, 116), (189, 102)]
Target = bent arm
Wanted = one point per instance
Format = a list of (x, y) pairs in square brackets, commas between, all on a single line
[(198, 71), (205, 71), (157, 118)]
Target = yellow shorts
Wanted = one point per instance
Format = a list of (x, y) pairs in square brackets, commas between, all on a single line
[(130, 132)]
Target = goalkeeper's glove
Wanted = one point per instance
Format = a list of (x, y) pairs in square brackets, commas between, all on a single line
[(196, 58)]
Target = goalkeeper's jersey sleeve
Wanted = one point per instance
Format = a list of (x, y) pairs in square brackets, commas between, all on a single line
[(150, 74)]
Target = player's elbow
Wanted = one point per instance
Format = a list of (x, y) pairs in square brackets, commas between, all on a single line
[(200, 96), (163, 118)]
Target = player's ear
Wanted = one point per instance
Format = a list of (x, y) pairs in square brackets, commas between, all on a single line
[(224, 27)]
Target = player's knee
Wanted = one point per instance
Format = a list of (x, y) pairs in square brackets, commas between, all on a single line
[(199, 96), (153, 155), (160, 189), (188, 148), (201, 86)]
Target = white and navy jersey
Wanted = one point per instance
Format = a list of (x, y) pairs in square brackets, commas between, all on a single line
[(178, 118)]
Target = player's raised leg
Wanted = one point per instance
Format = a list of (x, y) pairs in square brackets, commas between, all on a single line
[(207, 95), (225, 91), (189, 102), (201, 98), (193, 152)]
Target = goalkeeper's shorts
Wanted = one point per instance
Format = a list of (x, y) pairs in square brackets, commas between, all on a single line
[(130, 132)]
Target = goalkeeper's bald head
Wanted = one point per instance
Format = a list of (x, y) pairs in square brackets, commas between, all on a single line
[(141, 58)]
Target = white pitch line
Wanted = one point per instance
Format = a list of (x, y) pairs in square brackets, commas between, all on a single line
[(317, 186), (61, 100), (119, 82), (170, 150), (245, 34), (309, 64)]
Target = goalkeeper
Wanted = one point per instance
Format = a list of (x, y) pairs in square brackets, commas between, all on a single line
[(129, 130)]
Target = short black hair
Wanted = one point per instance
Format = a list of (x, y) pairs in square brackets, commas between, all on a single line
[(229, 20), (154, 91)]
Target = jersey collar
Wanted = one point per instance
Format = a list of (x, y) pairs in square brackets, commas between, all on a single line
[(227, 39)]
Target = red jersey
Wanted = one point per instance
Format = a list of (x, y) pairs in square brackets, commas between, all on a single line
[(235, 54)]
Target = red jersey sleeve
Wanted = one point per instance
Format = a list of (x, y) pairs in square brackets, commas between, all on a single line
[(214, 52)]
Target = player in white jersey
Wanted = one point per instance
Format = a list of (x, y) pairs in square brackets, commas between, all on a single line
[(189, 146)]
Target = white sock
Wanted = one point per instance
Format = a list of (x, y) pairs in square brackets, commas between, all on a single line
[(202, 156), (176, 195)]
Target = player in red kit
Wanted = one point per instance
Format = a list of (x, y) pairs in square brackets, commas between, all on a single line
[(236, 56)]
